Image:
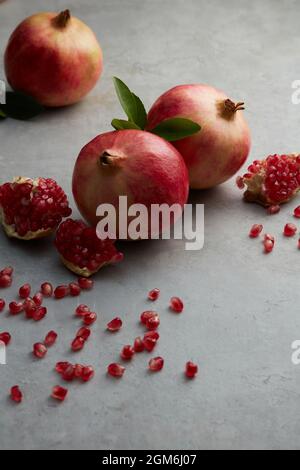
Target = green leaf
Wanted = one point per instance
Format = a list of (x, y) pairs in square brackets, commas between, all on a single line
[(131, 104), (20, 106), (176, 129), (120, 124)]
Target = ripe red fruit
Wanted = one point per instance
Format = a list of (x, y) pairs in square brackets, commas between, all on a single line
[(38, 299), (16, 307), (255, 230), (83, 332), (24, 291), (82, 310), (59, 393), (153, 322), (297, 212), (47, 289), (289, 230), (82, 251), (61, 291), (2, 305), (77, 343), (60, 367), (5, 337), (5, 280), (127, 352), (274, 180), (32, 208), (145, 316), (69, 373), (90, 318), (115, 370), (268, 245), (132, 155), (62, 76), (224, 138), (15, 394), (39, 350), (154, 294), (138, 345), (156, 364), (74, 289), (87, 373), (50, 338), (115, 324), (39, 313), (191, 369), (176, 304)]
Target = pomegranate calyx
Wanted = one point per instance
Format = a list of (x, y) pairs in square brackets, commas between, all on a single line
[(106, 159), (228, 108), (62, 19)]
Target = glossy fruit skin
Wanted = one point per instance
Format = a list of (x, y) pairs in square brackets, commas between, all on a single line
[(220, 148), (137, 164), (55, 65)]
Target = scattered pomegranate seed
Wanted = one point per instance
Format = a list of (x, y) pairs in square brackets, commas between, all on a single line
[(84, 333), (115, 324), (77, 343), (191, 369), (5, 338), (127, 352), (15, 394), (176, 304), (50, 338), (152, 334), (146, 315), (297, 212), (61, 291), (59, 393), (153, 322), (39, 313), (87, 373), (289, 230), (149, 343), (39, 350), (268, 236), (69, 373), (85, 283), (74, 289), (273, 209), (24, 291), (138, 345), (240, 182), (38, 299), (5, 280), (156, 364), (153, 294), (115, 370), (60, 367), (255, 230), (268, 246), (90, 318), (16, 307), (29, 304), (2, 305), (78, 368), (47, 289), (8, 271), (299, 244), (82, 310)]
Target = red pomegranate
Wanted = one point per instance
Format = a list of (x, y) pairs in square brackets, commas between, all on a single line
[(56, 59), (137, 164), (217, 152)]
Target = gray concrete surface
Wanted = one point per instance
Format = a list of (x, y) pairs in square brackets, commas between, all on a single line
[(242, 308)]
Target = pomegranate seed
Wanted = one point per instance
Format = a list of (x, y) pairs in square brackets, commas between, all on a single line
[(268, 236), (77, 343), (273, 209), (60, 367), (153, 322), (15, 394), (152, 334), (39, 350), (8, 271), (50, 339), (240, 182), (115, 324), (176, 304), (90, 318), (39, 313), (156, 364), (289, 230), (85, 283), (83, 332), (138, 345), (297, 212), (5, 280), (87, 373), (149, 343), (78, 368), (59, 393), (38, 299), (127, 352), (255, 230), (146, 315), (268, 246), (299, 244), (5, 338), (74, 289), (24, 291), (82, 310), (47, 289), (69, 373), (2, 305), (61, 291), (115, 370), (29, 304), (16, 307), (191, 370), (153, 294)]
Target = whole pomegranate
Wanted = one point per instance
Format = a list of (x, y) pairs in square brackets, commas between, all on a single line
[(32, 208), (133, 163), (55, 58), (217, 152)]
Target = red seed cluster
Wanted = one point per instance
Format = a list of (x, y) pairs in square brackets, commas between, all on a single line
[(6, 277), (69, 371)]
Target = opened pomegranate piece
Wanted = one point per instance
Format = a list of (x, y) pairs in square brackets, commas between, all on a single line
[(82, 251), (32, 208)]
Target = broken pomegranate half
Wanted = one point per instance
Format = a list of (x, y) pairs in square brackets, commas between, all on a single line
[(81, 250), (32, 208)]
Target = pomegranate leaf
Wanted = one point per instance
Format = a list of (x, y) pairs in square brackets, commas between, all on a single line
[(131, 104), (20, 106), (120, 124), (176, 129), (141, 112)]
